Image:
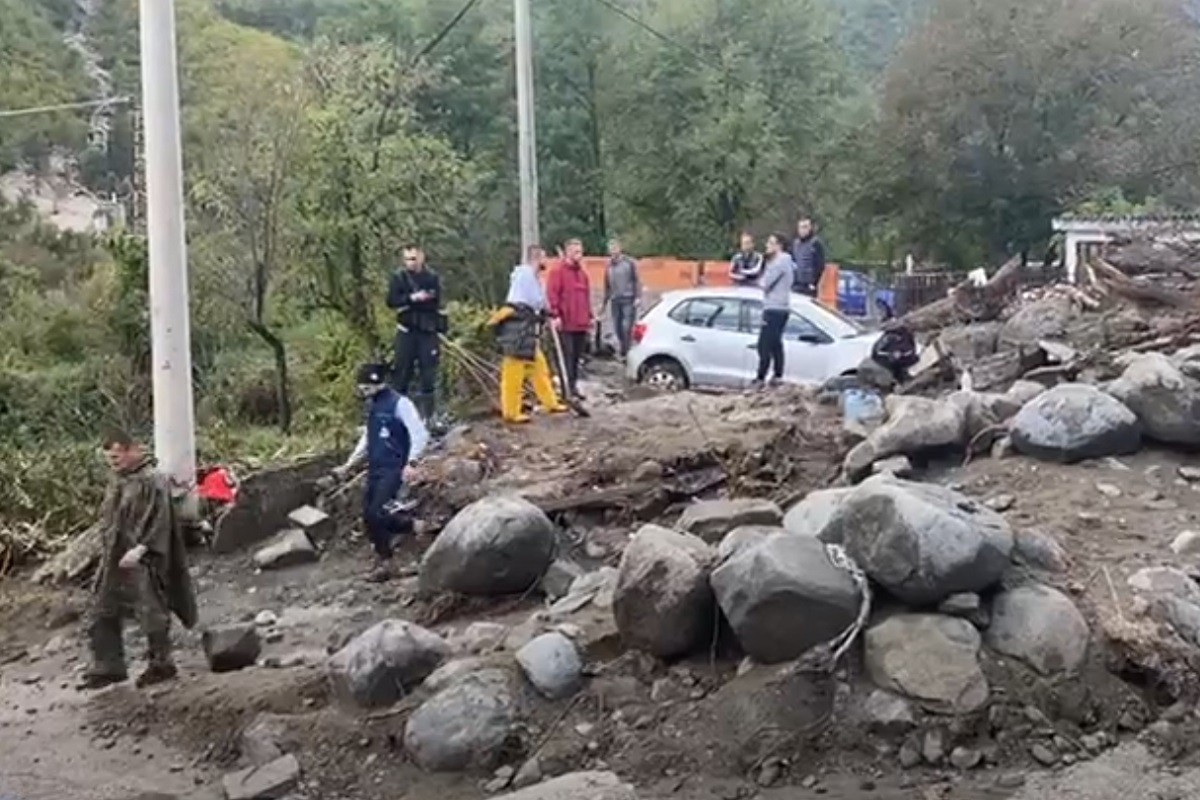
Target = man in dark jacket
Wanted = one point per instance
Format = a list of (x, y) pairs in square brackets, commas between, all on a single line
[(415, 294), (809, 254), (143, 568), (747, 265)]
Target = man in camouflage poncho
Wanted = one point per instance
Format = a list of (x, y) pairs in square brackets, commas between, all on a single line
[(143, 569)]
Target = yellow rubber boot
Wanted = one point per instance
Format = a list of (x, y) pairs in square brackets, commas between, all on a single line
[(512, 376), (543, 385)]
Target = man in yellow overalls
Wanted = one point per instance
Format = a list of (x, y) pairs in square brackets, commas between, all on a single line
[(518, 327)]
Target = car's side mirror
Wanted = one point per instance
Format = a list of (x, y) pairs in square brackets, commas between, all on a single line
[(809, 337)]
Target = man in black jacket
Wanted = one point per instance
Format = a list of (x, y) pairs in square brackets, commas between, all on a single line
[(415, 293), (809, 254)]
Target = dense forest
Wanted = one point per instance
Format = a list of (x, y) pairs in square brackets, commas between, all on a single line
[(321, 135)]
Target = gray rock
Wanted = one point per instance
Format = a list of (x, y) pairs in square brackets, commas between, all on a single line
[(984, 410), (663, 604), (578, 786), (562, 572), (231, 647), (529, 774), (452, 672), (914, 425), (887, 714), (262, 740), (969, 343), (968, 606), (910, 753), (552, 665), (1039, 550), (385, 662), (1043, 754), (1165, 581), (463, 727), (1022, 392), (897, 466), (1040, 626), (316, 523), (784, 596), (933, 747), (1165, 401), (746, 536), (497, 545), (1046, 318), (1074, 422), (481, 637), (288, 549), (965, 758), (810, 515), (1189, 474), (711, 520), (267, 782), (1186, 543), (932, 659), (922, 542)]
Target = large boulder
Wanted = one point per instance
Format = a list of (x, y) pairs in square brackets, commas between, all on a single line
[(1047, 318), (744, 537), (385, 662), (663, 604), (1165, 401), (577, 786), (932, 659), (922, 542), (984, 410), (497, 545), (784, 596), (1040, 626), (1074, 422), (231, 647), (465, 726), (711, 520), (914, 424), (810, 515), (966, 344)]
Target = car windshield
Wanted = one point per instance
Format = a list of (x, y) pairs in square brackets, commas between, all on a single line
[(833, 322)]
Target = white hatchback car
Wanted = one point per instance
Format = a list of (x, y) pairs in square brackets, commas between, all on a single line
[(709, 337)]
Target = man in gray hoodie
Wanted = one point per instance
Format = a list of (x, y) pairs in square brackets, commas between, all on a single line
[(622, 290), (777, 303)]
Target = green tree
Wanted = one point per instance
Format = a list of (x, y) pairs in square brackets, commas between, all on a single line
[(999, 114)]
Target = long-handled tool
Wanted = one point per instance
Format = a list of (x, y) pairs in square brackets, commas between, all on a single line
[(560, 362)]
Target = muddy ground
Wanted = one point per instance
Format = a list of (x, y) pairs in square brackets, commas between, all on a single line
[(654, 724)]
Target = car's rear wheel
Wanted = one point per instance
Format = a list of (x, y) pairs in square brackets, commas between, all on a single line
[(664, 375)]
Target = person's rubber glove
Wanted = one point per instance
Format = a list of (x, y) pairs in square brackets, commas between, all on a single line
[(133, 558)]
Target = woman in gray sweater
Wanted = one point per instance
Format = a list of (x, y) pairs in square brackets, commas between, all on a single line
[(777, 301)]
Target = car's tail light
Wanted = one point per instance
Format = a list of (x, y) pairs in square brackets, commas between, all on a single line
[(639, 332)]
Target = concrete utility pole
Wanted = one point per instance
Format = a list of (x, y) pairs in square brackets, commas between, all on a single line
[(526, 131), (170, 335)]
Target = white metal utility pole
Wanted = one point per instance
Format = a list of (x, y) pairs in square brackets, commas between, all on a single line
[(170, 334), (526, 131)]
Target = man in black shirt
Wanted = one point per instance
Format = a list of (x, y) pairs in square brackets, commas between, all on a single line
[(809, 254), (415, 293)]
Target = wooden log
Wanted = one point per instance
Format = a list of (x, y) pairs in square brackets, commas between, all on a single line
[(1121, 285)]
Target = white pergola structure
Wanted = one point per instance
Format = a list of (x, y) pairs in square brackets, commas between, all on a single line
[(1084, 237)]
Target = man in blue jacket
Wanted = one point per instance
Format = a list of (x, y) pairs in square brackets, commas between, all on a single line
[(394, 438)]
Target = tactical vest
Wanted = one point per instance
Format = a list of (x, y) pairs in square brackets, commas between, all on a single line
[(388, 442)]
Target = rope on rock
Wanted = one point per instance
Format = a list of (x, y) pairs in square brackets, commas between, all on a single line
[(824, 657)]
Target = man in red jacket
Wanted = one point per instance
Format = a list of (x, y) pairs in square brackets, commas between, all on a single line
[(570, 300)]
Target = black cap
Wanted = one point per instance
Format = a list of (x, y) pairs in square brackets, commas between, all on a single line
[(372, 374)]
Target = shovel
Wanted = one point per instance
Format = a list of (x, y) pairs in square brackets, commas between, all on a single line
[(560, 363)]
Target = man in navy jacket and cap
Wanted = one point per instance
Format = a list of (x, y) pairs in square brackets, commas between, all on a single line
[(393, 439)]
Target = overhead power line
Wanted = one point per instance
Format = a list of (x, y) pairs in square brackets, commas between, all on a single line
[(444, 32), (22, 112)]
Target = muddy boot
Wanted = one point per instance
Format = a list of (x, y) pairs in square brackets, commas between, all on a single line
[(161, 668), (96, 679), (156, 673), (382, 573)]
